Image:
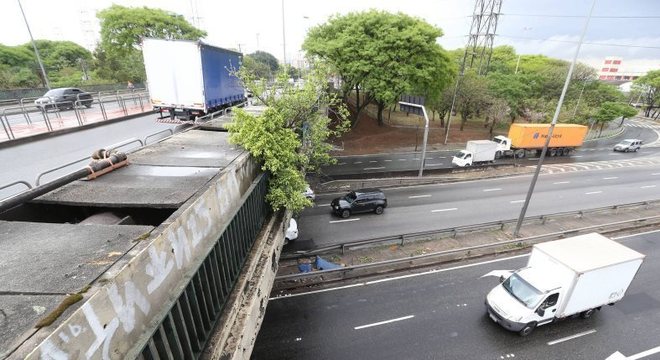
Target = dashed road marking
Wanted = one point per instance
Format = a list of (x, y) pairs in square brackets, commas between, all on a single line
[(610, 178), (493, 189), (345, 220), (357, 162), (443, 210), (516, 201), (561, 182), (419, 196), (572, 337), (374, 168), (593, 192), (387, 160), (384, 322), (373, 161), (647, 186), (403, 159)]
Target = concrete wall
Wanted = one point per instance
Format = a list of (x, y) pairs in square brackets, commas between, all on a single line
[(121, 311)]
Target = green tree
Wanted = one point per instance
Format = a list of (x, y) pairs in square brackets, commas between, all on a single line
[(649, 85), (496, 112), (290, 138), (607, 112), (267, 59), (381, 54), (122, 30), (472, 97)]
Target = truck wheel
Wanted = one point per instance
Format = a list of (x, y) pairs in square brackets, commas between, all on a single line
[(587, 314), (379, 210), (527, 329), (498, 154), (553, 152), (519, 154), (566, 151), (345, 213)]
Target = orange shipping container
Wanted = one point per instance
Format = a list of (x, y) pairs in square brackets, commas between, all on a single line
[(533, 136)]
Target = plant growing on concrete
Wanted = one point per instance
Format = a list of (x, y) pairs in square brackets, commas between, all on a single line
[(291, 137)]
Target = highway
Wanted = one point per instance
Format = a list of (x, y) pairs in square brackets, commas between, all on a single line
[(429, 207), (596, 150), (440, 315), (27, 160)]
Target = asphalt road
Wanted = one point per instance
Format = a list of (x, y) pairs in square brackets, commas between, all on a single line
[(441, 315), (26, 161), (441, 206), (596, 150)]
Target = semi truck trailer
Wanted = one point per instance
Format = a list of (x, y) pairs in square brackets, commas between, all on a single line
[(563, 278), (187, 79), (523, 138)]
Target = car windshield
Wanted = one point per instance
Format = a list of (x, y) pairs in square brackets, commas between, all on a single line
[(350, 197), (497, 140), (460, 154), (54, 92), (522, 291)]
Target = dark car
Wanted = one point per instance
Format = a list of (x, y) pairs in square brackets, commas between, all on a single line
[(363, 200), (63, 98)]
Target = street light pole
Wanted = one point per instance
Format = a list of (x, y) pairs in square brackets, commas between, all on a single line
[(34, 46), (426, 133), (552, 126)]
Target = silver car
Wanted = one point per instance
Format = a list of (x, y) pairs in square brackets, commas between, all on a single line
[(63, 98), (628, 145)]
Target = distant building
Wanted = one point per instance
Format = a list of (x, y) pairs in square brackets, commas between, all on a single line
[(613, 71)]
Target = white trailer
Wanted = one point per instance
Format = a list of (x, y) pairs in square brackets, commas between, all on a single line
[(476, 152), (563, 278)]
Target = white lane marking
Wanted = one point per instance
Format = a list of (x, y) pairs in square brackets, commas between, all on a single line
[(384, 322), (647, 186), (516, 201), (345, 220), (441, 210), (322, 205), (429, 158), (403, 159), (572, 337), (373, 161), (387, 160), (374, 168), (576, 156), (655, 174), (561, 182), (357, 162), (611, 178), (638, 234), (434, 164), (493, 189), (434, 271), (643, 354), (593, 192), (418, 196), (342, 163)]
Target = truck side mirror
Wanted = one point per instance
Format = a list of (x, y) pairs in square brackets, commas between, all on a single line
[(540, 311), (502, 279)]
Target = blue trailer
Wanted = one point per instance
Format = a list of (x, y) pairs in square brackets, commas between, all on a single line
[(188, 79)]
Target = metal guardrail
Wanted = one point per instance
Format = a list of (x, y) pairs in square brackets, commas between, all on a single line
[(401, 238), (419, 260)]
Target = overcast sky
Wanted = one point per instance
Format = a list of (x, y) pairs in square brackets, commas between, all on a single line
[(548, 27)]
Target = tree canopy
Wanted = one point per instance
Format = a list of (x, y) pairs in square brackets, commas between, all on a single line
[(291, 137), (381, 54), (649, 85)]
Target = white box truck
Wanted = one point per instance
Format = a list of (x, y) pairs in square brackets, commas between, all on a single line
[(476, 152), (577, 275)]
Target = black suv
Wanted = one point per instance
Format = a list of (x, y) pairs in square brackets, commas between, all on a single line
[(63, 98), (363, 200)]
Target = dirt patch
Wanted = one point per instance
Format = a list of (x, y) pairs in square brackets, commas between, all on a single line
[(404, 133)]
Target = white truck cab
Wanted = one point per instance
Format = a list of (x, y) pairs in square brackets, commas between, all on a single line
[(503, 143), (462, 158)]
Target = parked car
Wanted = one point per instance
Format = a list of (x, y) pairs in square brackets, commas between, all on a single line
[(628, 145), (291, 232), (63, 98), (358, 201), (309, 193)]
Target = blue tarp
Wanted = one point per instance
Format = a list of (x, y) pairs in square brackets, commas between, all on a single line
[(323, 264), (304, 268)]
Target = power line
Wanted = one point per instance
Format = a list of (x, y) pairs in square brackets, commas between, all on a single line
[(589, 43), (582, 16)]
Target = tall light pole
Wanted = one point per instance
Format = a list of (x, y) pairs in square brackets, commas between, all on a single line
[(518, 62), (426, 133), (283, 35), (552, 125), (34, 46)]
